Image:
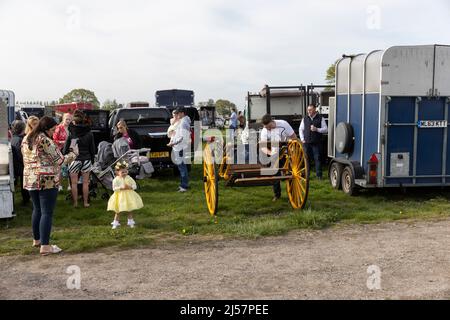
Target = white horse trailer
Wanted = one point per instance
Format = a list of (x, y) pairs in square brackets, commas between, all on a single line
[(9, 98), (6, 166)]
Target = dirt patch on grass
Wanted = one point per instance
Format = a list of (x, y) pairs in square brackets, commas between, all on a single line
[(413, 257)]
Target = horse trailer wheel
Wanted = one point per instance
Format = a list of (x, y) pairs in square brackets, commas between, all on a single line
[(335, 174), (348, 182)]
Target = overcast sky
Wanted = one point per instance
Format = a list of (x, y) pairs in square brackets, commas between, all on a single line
[(220, 49)]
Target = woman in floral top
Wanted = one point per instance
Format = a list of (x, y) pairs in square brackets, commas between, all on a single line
[(42, 164)]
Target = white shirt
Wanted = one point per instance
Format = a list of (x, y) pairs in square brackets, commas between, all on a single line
[(182, 136), (323, 129), (281, 133), (243, 135)]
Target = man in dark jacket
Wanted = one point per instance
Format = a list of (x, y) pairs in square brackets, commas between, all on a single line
[(18, 132), (312, 128), (80, 135)]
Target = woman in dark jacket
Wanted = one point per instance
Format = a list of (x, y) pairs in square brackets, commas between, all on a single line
[(133, 138), (18, 132), (80, 134)]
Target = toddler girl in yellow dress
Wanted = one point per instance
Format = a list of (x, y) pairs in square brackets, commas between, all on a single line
[(124, 199)]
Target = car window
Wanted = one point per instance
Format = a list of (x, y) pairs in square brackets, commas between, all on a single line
[(98, 119), (112, 118), (191, 112), (144, 116)]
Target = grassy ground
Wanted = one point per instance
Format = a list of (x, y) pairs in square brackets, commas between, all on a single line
[(243, 212)]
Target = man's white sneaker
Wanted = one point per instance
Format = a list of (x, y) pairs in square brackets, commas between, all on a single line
[(131, 223), (182, 190), (115, 224)]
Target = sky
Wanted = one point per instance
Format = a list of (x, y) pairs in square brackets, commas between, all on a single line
[(126, 50)]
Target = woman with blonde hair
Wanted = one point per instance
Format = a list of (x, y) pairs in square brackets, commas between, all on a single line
[(132, 137), (62, 131), (32, 122), (42, 160)]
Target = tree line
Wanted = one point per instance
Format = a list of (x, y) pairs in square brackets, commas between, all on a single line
[(223, 106)]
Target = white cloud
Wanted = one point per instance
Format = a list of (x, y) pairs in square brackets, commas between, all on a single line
[(220, 49)]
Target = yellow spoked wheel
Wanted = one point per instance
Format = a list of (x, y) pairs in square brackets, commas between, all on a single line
[(224, 168), (298, 167), (210, 180)]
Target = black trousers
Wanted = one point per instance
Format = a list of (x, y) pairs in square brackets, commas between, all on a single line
[(18, 182), (277, 186), (314, 152)]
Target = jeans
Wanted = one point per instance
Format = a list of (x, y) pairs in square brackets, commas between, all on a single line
[(184, 175), (314, 151), (44, 202)]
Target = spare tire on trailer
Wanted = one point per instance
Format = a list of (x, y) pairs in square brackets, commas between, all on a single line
[(344, 138)]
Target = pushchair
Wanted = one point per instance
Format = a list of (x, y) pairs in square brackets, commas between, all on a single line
[(102, 174), (109, 155)]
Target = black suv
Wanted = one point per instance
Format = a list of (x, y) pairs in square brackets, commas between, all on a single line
[(151, 124)]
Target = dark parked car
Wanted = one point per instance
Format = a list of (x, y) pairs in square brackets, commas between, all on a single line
[(99, 124), (151, 124)]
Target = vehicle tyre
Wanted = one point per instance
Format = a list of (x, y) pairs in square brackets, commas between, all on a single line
[(348, 182), (335, 175)]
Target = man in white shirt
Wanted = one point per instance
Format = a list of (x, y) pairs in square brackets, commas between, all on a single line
[(180, 142), (275, 131), (312, 128)]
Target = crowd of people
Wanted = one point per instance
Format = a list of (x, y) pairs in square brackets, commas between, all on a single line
[(46, 152)]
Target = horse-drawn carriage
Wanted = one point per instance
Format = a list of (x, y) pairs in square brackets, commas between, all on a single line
[(290, 165)]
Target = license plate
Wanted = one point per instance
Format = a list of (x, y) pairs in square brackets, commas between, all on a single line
[(154, 155), (432, 124)]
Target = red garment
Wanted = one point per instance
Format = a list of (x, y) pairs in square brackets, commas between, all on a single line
[(60, 136)]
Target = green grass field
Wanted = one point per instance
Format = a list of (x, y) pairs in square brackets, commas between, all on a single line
[(243, 213)]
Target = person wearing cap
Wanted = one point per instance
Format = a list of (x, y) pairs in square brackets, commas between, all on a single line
[(180, 142)]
